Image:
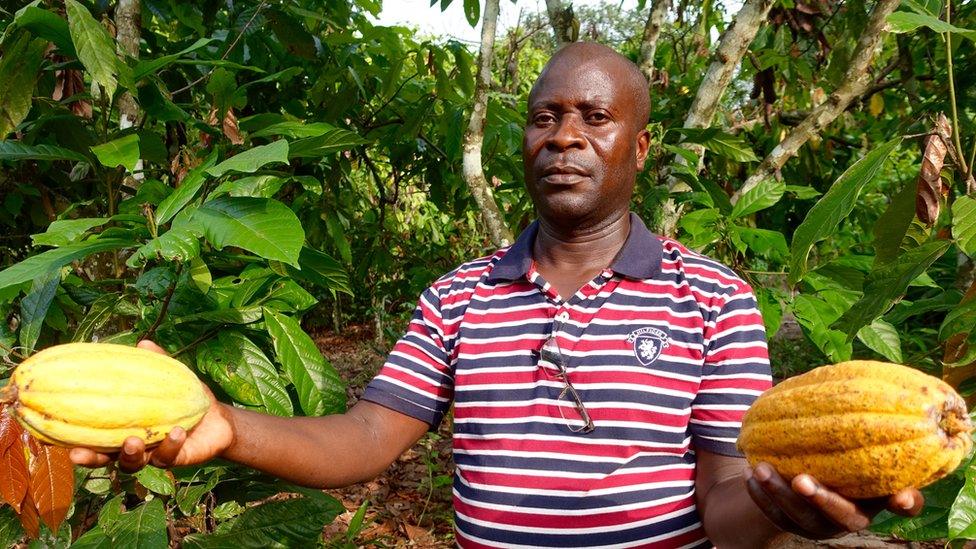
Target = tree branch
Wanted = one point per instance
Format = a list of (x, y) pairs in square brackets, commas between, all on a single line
[(652, 31), (565, 27), (474, 136), (856, 82)]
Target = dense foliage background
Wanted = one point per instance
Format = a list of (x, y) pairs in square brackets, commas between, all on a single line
[(225, 177)]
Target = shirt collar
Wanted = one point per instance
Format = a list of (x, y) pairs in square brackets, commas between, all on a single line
[(639, 258)]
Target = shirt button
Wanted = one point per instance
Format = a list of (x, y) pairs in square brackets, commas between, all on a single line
[(562, 317)]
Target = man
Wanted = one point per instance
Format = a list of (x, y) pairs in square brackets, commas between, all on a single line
[(598, 373)]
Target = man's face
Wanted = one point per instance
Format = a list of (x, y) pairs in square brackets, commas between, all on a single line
[(583, 145)]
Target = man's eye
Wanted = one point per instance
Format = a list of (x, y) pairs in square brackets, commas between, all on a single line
[(597, 117), (543, 119)]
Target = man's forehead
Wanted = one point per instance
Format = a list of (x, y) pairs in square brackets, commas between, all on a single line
[(590, 80)]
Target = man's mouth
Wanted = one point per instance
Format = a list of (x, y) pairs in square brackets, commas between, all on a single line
[(563, 175)]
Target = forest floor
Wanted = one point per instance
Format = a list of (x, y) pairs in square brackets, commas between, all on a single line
[(410, 504)]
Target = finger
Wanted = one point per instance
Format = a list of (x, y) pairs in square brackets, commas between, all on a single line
[(88, 458), (768, 507), (842, 511), (133, 456), (796, 507), (151, 346), (165, 454), (908, 502)]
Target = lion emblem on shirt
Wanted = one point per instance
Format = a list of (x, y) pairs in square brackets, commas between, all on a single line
[(648, 344)]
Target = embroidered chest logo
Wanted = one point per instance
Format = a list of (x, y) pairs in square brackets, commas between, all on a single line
[(648, 344)]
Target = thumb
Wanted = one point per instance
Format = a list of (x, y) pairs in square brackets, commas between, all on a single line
[(151, 346)]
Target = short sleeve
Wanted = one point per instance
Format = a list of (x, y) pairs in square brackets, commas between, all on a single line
[(735, 372), (417, 379)]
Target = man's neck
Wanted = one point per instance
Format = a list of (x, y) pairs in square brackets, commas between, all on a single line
[(570, 257)]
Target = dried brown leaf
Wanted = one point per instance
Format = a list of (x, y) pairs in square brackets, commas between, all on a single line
[(52, 484), (928, 197), (230, 128)]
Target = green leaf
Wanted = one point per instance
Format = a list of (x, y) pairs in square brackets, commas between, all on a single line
[(702, 226), (34, 306), (932, 522), (815, 315), (45, 262), (244, 372), (472, 11), (200, 275), (180, 244), (96, 49), (803, 192), (320, 389), (335, 140), (93, 539), (47, 25), (147, 67), (767, 193), (320, 269), (263, 226), (18, 72), (253, 159), (287, 295), (232, 315), (719, 142), (888, 283), (828, 213), (294, 522), (156, 480), (764, 242), (66, 231), (123, 151), (260, 186), (295, 129), (960, 320), (141, 528), (964, 224), (903, 21), (188, 189), (17, 151), (962, 514), (882, 338), (891, 227), (98, 314), (11, 531)]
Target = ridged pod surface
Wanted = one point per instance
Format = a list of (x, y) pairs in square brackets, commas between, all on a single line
[(97, 394), (863, 428)]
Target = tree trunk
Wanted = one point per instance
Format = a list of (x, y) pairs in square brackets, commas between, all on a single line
[(652, 30), (856, 82), (565, 27), (732, 46), (128, 18), (474, 137)]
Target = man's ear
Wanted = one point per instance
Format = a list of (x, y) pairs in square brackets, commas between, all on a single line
[(643, 144)]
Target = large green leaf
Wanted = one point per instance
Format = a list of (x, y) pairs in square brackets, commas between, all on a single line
[(98, 314), (932, 522), (141, 528), (767, 193), (18, 71), (65, 231), (891, 227), (45, 262), (472, 11), (320, 269), (962, 514), (244, 372), (11, 531), (719, 142), (260, 186), (15, 150), (887, 283), (828, 213), (960, 320), (156, 480), (177, 244), (253, 159), (123, 151), (815, 314), (964, 224), (329, 142), (34, 306), (295, 129), (294, 522), (188, 189), (320, 389), (903, 21), (47, 25), (96, 49), (263, 226), (882, 338)]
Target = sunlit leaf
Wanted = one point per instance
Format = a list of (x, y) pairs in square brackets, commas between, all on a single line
[(263, 226), (243, 371), (16, 151), (44, 262), (253, 159), (720, 142), (765, 194), (177, 244), (123, 151), (903, 21), (18, 71), (156, 480), (65, 231), (96, 49), (964, 224), (882, 338)]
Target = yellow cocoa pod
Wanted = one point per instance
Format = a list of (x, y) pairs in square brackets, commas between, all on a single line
[(862, 428), (97, 394)]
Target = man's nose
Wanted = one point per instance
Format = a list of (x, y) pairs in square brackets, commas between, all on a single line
[(567, 133)]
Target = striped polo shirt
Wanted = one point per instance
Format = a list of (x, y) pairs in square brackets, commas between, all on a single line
[(665, 349)]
